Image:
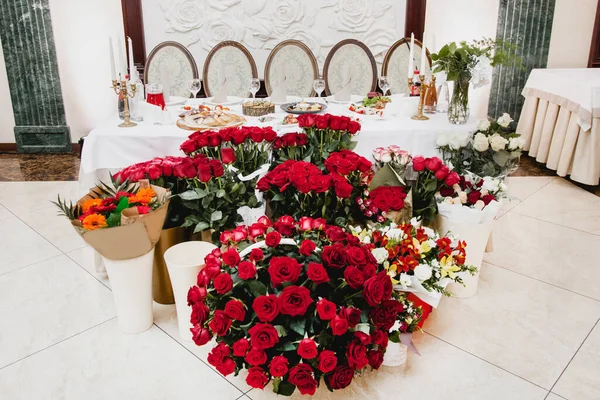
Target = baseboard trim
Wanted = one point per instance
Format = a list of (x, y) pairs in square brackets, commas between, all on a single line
[(12, 148)]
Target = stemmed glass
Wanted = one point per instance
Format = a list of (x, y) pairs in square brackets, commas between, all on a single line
[(384, 84), (194, 87), (254, 86), (319, 85)]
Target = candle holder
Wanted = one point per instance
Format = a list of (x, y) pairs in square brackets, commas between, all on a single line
[(430, 97), (410, 83), (420, 116), (120, 88)]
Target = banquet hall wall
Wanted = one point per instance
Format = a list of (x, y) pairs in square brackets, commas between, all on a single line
[(81, 29)]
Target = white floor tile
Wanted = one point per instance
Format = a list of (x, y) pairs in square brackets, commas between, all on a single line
[(442, 372), (55, 228), (552, 396), (581, 380), (565, 204), (85, 258), (104, 364), (549, 252), (4, 213), (48, 302), (522, 187), (21, 246), (24, 197), (517, 323)]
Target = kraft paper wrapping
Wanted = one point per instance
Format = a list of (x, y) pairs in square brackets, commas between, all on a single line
[(137, 235)]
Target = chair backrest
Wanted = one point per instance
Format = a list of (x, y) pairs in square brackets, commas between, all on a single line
[(395, 64), (238, 65), (363, 69), (297, 62), (177, 61)]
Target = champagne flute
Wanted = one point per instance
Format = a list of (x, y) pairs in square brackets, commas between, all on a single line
[(319, 85), (384, 84), (194, 88), (254, 86)]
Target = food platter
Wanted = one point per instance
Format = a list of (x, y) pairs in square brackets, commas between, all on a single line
[(303, 107), (204, 118)]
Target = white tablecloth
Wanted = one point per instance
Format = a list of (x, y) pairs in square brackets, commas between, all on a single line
[(110, 148)]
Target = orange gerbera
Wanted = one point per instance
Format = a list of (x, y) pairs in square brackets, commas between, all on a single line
[(144, 196), (88, 204), (94, 221)]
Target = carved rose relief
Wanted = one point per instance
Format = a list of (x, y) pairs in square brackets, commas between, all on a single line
[(183, 15)]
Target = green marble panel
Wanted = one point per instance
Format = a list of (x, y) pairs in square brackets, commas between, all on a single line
[(32, 69), (528, 24)]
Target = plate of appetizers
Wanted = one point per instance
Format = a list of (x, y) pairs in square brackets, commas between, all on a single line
[(303, 107), (204, 117)]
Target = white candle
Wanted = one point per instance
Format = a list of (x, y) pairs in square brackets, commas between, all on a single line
[(131, 63), (411, 61), (113, 73), (122, 66), (423, 56)]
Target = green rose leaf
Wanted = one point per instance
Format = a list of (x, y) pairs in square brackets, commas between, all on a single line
[(216, 216), (298, 326), (257, 288)]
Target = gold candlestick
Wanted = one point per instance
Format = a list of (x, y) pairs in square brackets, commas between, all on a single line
[(410, 83), (420, 116), (120, 89)]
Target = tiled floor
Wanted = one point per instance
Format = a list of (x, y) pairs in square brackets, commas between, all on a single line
[(532, 332)]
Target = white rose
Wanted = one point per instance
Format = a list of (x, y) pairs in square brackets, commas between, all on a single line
[(394, 234), (490, 184), (483, 125), (479, 205), (386, 157), (498, 142), (449, 200), (505, 120), (480, 142), (380, 254), (442, 140), (462, 196), (405, 280), (423, 272), (515, 143)]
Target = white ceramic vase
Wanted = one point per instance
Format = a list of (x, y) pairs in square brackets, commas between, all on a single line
[(396, 355), (131, 284), (184, 261)]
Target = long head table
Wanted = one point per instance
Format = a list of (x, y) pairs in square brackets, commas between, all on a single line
[(109, 148)]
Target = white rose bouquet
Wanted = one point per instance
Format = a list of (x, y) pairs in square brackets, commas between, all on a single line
[(493, 149)]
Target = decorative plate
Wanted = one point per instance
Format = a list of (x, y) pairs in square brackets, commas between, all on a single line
[(309, 109)]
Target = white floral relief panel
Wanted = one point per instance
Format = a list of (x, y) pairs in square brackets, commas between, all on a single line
[(293, 63), (176, 64), (232, 62), (352, 60), (262, 24)]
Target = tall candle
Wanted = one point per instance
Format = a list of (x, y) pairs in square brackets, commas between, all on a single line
[(113, 73), (131, 63), (411, 61), (122, 66), (423, 56)]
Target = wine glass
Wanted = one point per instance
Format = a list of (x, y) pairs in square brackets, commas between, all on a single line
[(194, 87), (384, 84), (319, 86), (254, 86)]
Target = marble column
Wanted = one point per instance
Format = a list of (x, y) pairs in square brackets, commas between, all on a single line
[(527, 24), (31, 65)]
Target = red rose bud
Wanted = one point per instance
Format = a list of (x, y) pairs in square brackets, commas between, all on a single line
[(257, 378), (375, 359), (200, 336), (227, 155), (327, 361), (223, 283), (307, 349), (256, 230), (317, 273), (341, 377), (294, 301), (418, 163), (339, 325), (326, 309), (235, 310), (307, 247), (241, 347), (452, 179), (278, 366), (272, 239), (256, 356), (442, 173), (266, 307), (204, 173), (433, 164), (220, 323), (200, 313)]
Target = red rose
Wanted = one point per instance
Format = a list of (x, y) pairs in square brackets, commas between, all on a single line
[(319, 223), (238, 137), (442, 173), (353, 127), (256, 356), (241, 347), (418, 163), (352, 316), (335, 123), (377, 289), (307, 349), (235, 310), (356, 354), (189, 146), (219, 358), (220, 323), (363, 337), (354, 278), (327, 361), (320, 183), (433, 164), (302, 377), (223, 283), (317, 273), (322, 121), (294, 300), (257, 378), (375, 359), (335, 234), (227, 155), (384, 316), (200, 313), (301, 139), (200, 335), (185, 169), (256, 134), (231, 257), (334, 256), (246, 270), (284, 269), (341, 377), (278, 366), (269, 134), (263, 184), (263, 336), (343, 189), (473, 197), (204, 173), (339, 325), (201, 140), (273, 239), (196, 294), (285, 225), (266, 307), (488, 198), (356, 256), (305, 223), (257, 255), (154, 171), (380, 338), (452, 179), (216, 168), (326, 309), (256, 230)]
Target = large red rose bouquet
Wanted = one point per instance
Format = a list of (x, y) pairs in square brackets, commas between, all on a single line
[(293, 302), (381, 202), (302, 188), (328, 133), (292, 146)]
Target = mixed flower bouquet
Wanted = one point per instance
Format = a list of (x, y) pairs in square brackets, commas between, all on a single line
[(292, 302), (493, 150), (328, 133), (472, 191), (382, 202), (300, 187)]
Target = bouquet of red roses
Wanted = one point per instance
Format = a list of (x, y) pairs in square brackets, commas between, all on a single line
[(293, 302), (328, 133), (292, 146), (381, 202)]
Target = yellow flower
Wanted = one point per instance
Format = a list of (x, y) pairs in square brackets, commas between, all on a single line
[(90, 203), (449, 267), (94, 221)]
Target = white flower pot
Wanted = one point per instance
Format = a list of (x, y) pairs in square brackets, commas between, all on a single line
[(131, 284), (395, 355), (476, 236), (184, 261)]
